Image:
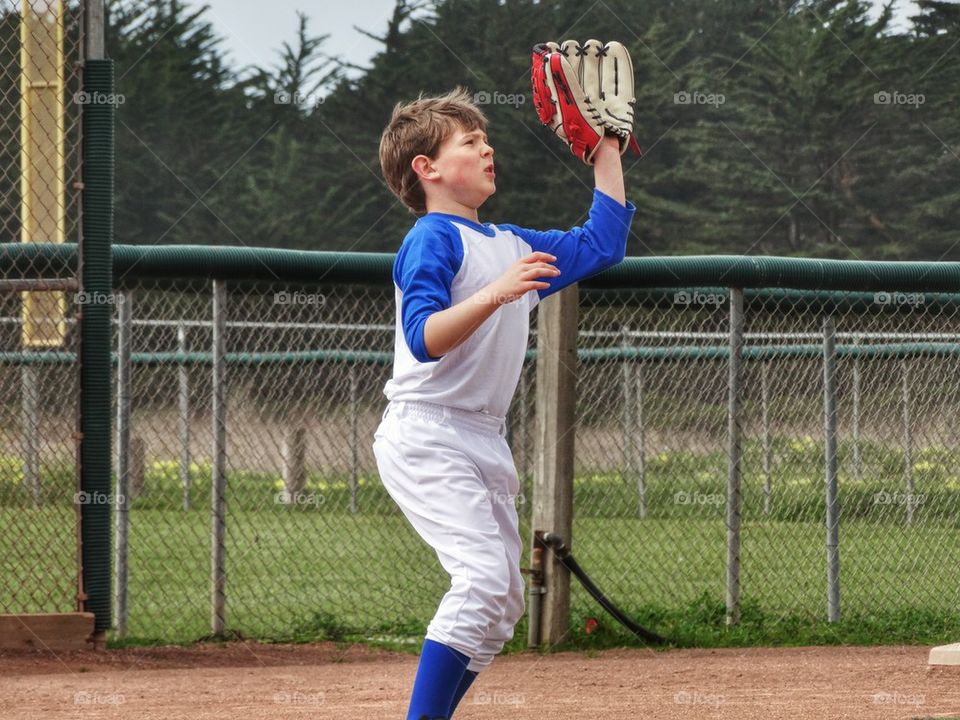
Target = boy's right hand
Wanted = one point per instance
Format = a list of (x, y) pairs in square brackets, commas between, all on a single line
[(521, 277)]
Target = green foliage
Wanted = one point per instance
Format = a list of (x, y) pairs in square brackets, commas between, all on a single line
[(798, 158)]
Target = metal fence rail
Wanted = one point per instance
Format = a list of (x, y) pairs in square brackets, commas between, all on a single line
[(800, 465)]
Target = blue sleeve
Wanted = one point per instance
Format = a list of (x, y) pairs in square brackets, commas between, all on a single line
[(583, 251), (424, 270)]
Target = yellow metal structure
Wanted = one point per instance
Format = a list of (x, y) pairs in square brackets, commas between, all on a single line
[(42, 157)]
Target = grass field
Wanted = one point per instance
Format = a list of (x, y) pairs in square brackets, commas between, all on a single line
[(318, 571), (301, 576)]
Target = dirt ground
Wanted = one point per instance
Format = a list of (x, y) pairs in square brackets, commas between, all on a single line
[(250, 680)]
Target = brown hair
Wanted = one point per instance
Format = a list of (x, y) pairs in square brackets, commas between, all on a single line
[(418, 128)]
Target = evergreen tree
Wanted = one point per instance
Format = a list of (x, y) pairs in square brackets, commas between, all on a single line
[(782, 126)]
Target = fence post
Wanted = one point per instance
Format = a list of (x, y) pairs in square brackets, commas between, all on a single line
[(857, 467), (626, 393), (30, 432), (122, 498), (219, 484), (735, 456), (553, 477), (95, 263), (354, 441), (830, 463), (294, 467), (907, 441), (524, 429), (641, 442), (183, 384), (137, 469), (765, 418)]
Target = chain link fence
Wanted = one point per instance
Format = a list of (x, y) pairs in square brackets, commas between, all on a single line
[(247, 498), (40, 202), (652, 494), (310, 542), (247, 501)]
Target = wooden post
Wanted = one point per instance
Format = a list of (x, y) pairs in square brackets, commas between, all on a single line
[(553, 475), (138, 467), (294, 468)]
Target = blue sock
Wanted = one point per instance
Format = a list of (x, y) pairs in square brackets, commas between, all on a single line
[(468, 677), (438, 678)]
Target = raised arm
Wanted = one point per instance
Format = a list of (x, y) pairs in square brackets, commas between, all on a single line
[(600, 242), (607, 170)]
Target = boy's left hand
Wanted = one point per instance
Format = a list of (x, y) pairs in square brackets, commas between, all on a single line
[(584, 92)]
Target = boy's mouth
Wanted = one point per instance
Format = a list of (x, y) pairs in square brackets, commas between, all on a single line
[(489, 170)]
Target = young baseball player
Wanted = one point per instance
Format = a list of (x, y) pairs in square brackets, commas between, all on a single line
[(464, 292)]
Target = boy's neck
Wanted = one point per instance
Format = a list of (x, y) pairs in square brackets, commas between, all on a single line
[(453, 208)]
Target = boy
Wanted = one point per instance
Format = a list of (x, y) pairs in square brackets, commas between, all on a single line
[(464, 291)]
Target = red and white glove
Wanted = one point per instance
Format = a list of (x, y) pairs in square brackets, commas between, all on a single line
[(583, 92)]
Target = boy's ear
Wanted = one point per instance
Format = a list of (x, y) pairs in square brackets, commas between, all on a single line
[(423, 167)]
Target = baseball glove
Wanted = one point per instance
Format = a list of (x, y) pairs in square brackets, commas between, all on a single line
[(583, 92)]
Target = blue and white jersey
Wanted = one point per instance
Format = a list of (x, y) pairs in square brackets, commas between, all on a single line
[(445, 259)]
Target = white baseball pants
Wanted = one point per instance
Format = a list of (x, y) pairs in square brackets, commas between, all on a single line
[(452, 474)]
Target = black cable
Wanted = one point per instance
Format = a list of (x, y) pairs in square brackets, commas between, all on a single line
[(566, 559)]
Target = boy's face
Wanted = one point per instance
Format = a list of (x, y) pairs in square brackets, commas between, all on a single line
[(465, 166)]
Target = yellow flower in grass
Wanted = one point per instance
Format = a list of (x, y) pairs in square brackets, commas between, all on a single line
[(168, 470), (11, 468), (279, 484), (200, 468), (923, 466)]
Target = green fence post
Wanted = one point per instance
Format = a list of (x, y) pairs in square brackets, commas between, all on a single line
[(96, 278)]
